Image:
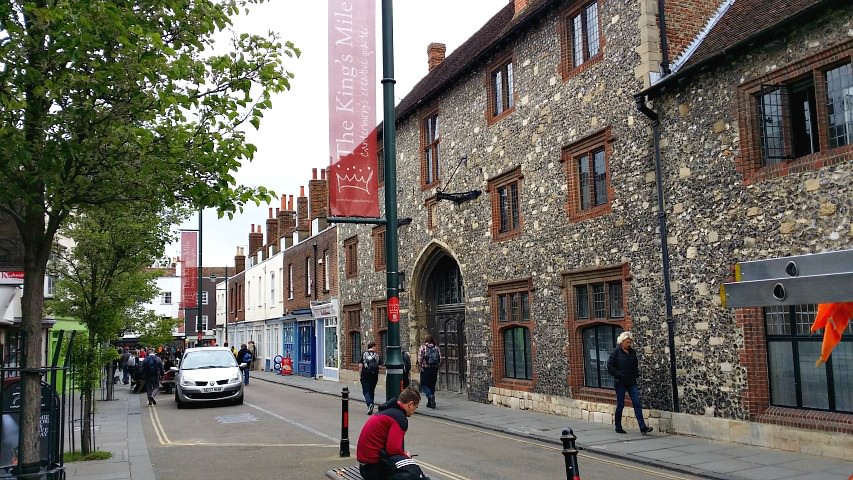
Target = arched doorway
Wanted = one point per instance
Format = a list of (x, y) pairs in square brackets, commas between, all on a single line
[(440, 310)]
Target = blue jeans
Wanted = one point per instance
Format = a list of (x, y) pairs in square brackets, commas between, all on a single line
[(429, 377), (246, 375), (368, 387), (635, 400)]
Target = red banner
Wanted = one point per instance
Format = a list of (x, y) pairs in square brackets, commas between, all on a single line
[(189, 269), (353, 176)]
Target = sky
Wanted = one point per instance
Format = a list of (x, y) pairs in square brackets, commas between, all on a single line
[(293, 137)]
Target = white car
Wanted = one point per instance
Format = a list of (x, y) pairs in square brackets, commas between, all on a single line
[(208, 374)]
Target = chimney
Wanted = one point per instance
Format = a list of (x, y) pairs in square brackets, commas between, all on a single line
[(239, 261), (318, 201), (286, 222), (303, 223), (435, 51), (272, 228), (256, 240), (519, 6)]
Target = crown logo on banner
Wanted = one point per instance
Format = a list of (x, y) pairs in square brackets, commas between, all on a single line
[(354, 180)]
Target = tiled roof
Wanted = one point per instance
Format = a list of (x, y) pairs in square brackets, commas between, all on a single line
[(744, 22), (470, 53)]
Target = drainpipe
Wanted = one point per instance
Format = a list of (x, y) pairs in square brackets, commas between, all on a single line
[(664, 247), (664, 47)]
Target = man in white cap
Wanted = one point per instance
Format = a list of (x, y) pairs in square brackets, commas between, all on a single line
[(624, 367)]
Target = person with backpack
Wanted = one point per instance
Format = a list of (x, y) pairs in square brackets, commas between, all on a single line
[(368, 369), (122, 363), (152, 370), (429, 358), (407, 369), (244, 356)]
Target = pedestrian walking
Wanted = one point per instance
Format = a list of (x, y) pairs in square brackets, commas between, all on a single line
[(152, 370), (244, 357), (624, 367), (254, 352), (429, 359), (407, 369), (380, 451), (368, 369), (125, 371)]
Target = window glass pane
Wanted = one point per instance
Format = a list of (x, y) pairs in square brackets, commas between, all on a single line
[(577, 41), (783, 390), (525, 307), (777, 320), (510, 102), (606, 342), (592, 28), (502, 308), (615, 299), (503, 196), (516, 307), (598, 308), (513, 188), (497, 86), (600, 177), (842, 376), (772, 135), (330, 337), (812, 379), (590, 358), (804, 316), (583, 182), (582, 301), (839, 105)]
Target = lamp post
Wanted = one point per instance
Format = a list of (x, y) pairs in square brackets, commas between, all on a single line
[(213, 279)]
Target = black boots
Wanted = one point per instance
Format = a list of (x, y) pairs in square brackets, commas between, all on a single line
[(431, 401)]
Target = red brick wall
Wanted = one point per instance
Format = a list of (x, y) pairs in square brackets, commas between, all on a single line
[(296, 255)]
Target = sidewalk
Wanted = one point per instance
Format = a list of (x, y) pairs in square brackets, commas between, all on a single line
[(120, 432)]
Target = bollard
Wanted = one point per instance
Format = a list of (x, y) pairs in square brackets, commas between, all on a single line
[(345, 422), (570, 452)]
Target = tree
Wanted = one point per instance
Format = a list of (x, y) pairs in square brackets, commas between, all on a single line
[(103, 281), (105, 102), (155, 330)]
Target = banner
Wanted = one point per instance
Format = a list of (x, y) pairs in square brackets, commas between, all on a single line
[(189, 269), (353, 176)]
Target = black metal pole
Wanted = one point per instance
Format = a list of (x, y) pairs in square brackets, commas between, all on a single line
[(394, 360), (570, 453), (345, 422)]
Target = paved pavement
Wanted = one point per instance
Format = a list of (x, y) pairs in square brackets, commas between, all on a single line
[(120, 432)]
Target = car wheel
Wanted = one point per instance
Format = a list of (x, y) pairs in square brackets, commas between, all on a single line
[(239, 401), (178, 401)]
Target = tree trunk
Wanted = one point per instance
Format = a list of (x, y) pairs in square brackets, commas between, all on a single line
[(86, 427)]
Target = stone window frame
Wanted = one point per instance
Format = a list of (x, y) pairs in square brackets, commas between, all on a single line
[(749, 162), (379, 316), (352, 322), (430, 144), (509, 287), (504, 64), (351, 257), (380, 258), (495, 185), (566, 67), (602, 139), (574, 327)]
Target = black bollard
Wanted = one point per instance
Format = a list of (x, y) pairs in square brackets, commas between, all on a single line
[(570, 452), (345, 422)]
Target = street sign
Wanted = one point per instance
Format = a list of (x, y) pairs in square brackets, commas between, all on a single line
[(394, 309), (12, 278)]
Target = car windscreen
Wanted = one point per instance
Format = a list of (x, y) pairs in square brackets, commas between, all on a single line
[(208, 359)]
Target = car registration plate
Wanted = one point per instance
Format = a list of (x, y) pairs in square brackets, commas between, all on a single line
[(211, 389)]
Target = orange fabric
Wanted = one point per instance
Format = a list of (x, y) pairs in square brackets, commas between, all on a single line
[(833, 318)]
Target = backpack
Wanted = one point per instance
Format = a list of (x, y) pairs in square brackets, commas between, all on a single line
[(247, 357), (149, 365), (371, 363), (432, 356)]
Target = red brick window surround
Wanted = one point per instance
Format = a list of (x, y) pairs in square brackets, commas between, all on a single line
[(351, 257), (353, 342), (379, 311), (596, 306), (513, 326), (430, 140), (796, 118), (505, 193), (501, 89), (587, 166), (581, 41), (431, 206), (379, 254)]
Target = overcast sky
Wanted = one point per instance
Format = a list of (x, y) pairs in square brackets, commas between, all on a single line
[(293, 137)]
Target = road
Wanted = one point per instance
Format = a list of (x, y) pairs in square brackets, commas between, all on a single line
[(281, 432)]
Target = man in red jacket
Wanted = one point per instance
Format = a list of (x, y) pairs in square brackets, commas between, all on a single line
[(380, 452)]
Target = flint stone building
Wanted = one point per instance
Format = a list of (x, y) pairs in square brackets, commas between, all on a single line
[(526, 160)]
